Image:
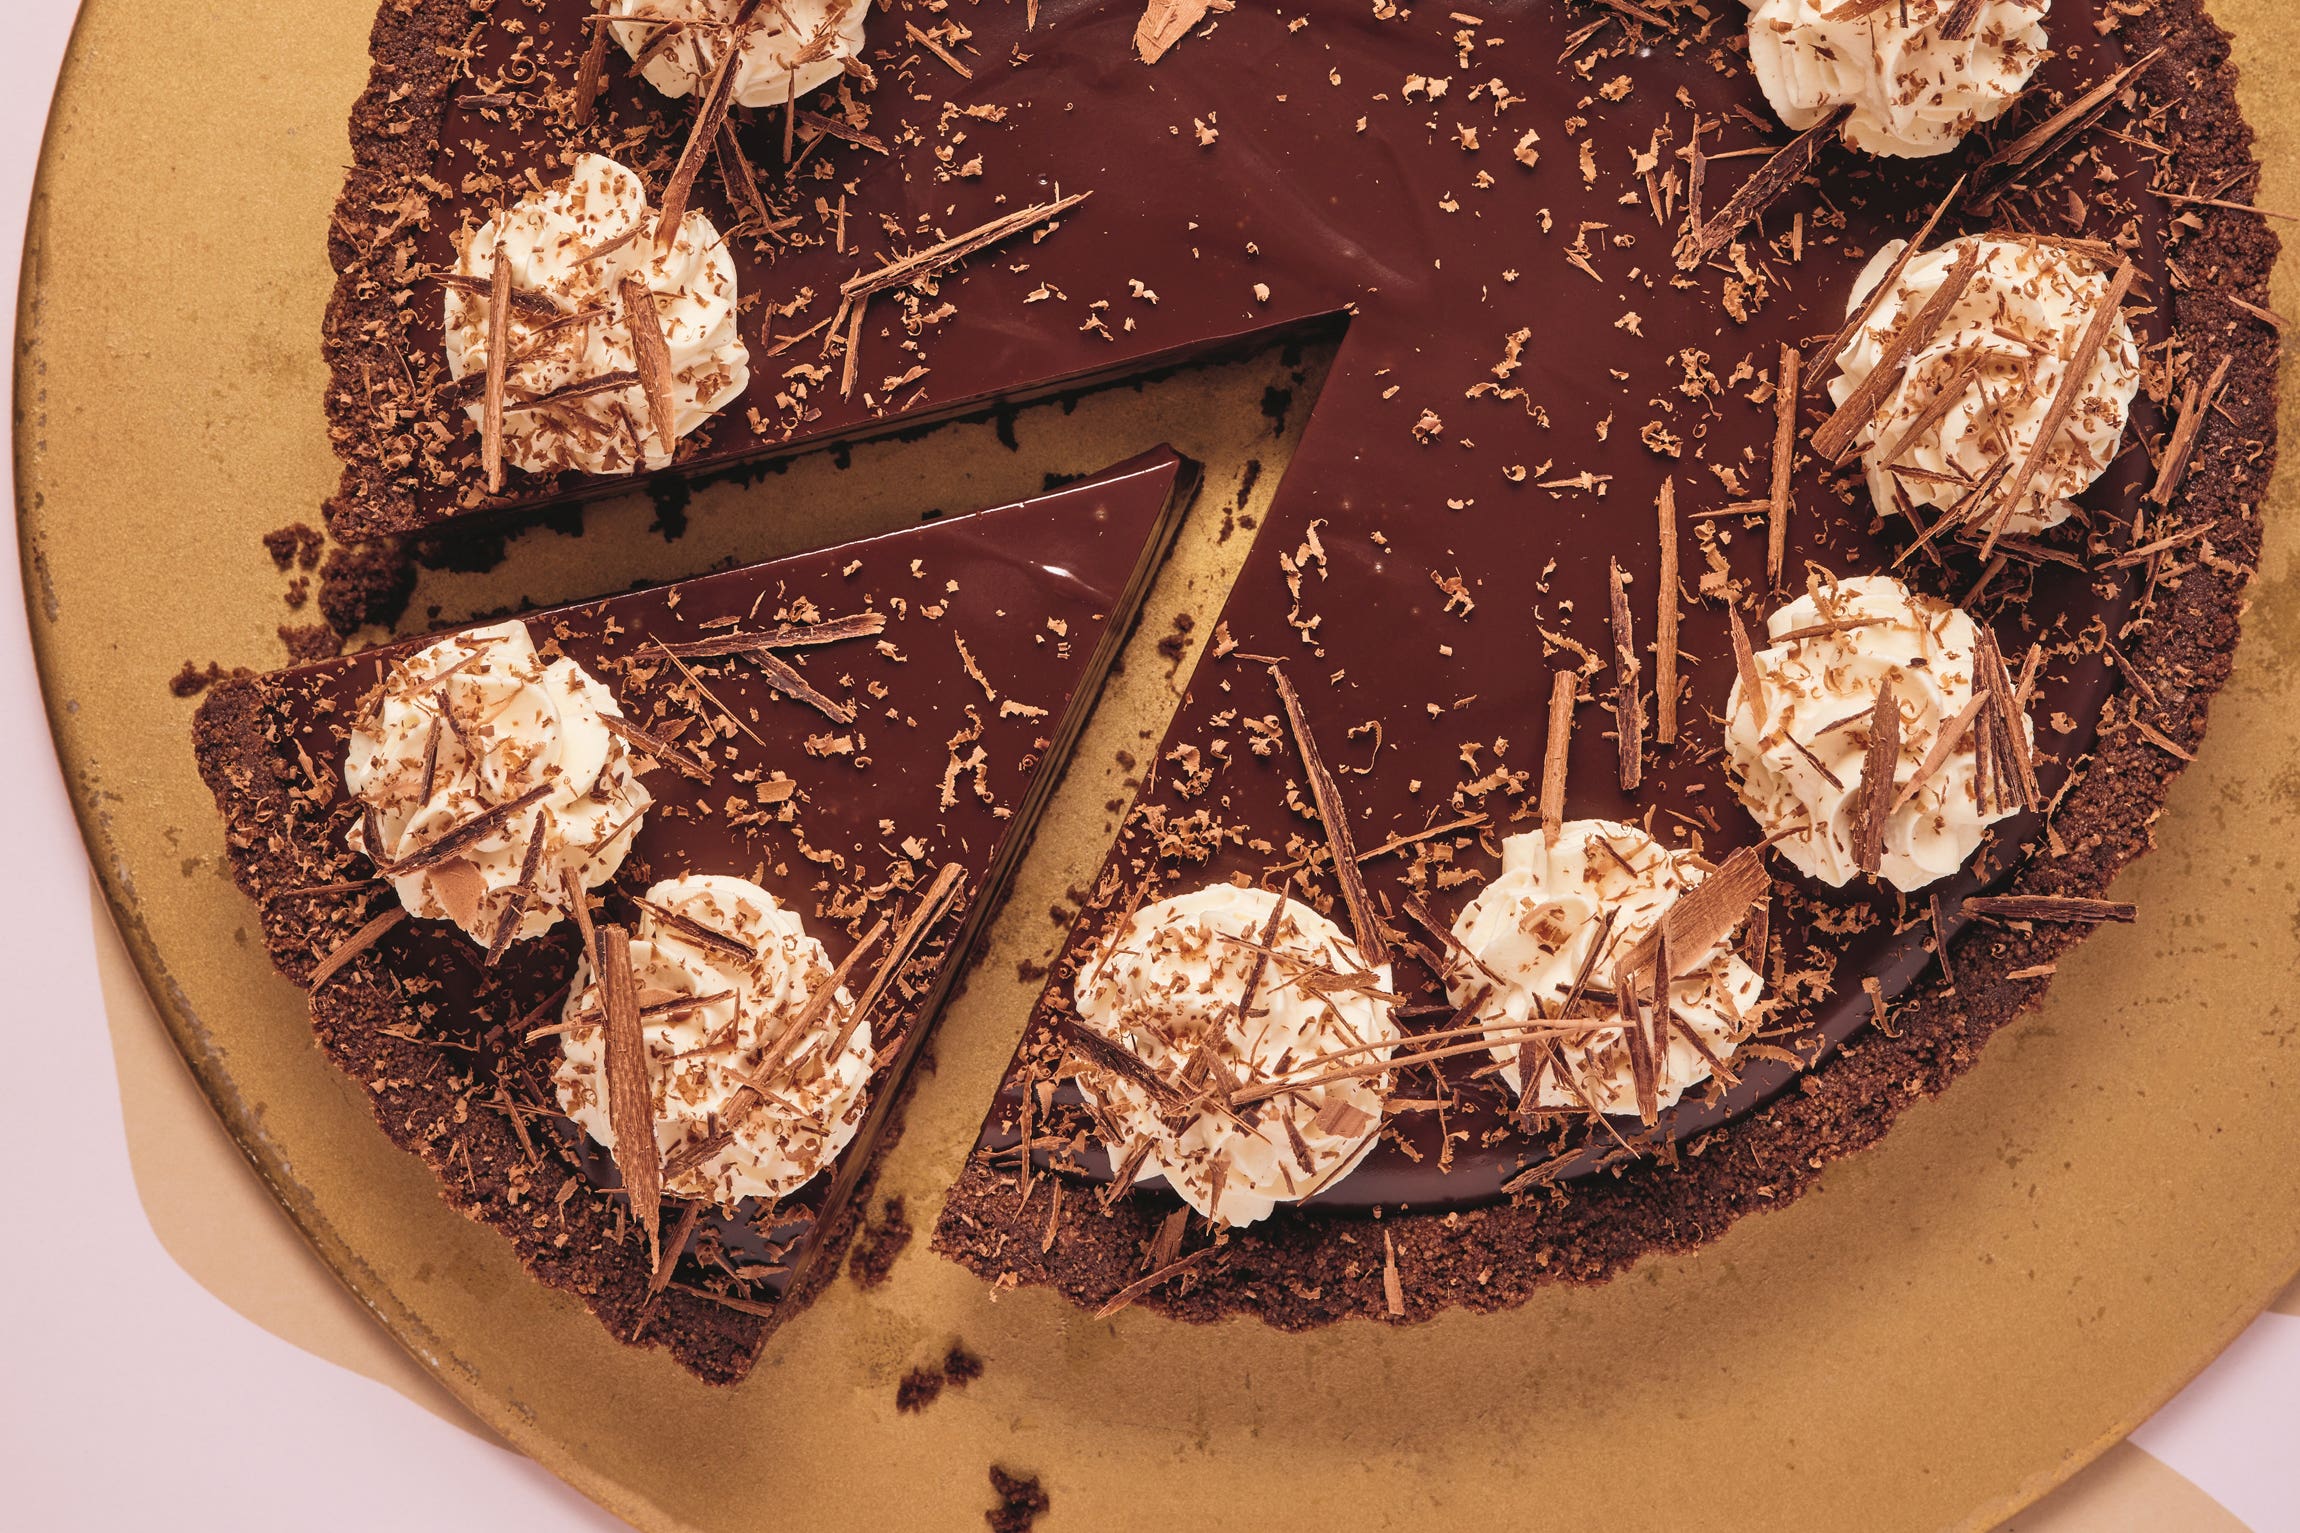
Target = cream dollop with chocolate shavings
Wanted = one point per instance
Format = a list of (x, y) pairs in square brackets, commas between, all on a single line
[(1914, 88), (1975, 395), (1541, 924), (1219, 1003), (1801, 758), (570, 247), (473, 722), (720, 1051), (789, 48)]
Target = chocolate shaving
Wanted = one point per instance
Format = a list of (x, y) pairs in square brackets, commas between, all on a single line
[(1756, 194), (784, 677), (2071, 388), (581, 388), (1958, 24), (1830, 630), (2148, 551), (1167, 22), (2195, 404), (430, 761), (1877, 770), (710, 113), (652, 354), (912, 935), (742, 182), (660, 1011), (515, 904), (1941, 940), (589, 74), (630, 1097), (1115, 1057), (933, 45), (1745, 666), (738, 641), (354, 945), (674, 1247), (498, 356), (843, 131), (1393, 1288), (1628, 706), (1142, 1285), (2064, 909), (911, 267), (763, 1310), (1813, 761), (662, 750), (2074, 117), (1562, 686), (1704, 915), (579, 906), (696, 682), (1834, 347), (1833, 438), (470, 831), (1665, 622), (1643, 1068), (1785, 393), (2008, 741), (698, 932), (537, 306), (1946, 739), (1373, 943), (1657, 1048)]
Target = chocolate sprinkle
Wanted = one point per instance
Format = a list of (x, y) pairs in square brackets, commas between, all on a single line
[(630, 1095)]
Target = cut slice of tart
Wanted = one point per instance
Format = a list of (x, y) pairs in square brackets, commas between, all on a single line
[(698, 863)]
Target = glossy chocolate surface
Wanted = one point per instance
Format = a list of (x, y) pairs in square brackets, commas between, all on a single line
[(1026, 601), (1341, 178)]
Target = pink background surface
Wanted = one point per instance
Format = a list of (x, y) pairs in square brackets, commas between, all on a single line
[(129, 1394)]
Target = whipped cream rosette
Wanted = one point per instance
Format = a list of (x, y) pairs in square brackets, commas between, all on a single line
[(1974, 397), (1918, 74), (1800, 757), (489, 778), (724, 974), (573, 399), (1580, 907), (788, 48), (1221, 994)]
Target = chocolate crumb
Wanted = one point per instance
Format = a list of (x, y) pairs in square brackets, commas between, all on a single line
[(881, 1241), (1021, 1501), (191, 681), (297, 545), (920, 1388), (365, 583)]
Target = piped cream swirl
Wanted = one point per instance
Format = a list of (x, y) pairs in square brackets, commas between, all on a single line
[(1532, 931), (790, 48), (494, 722), (570, 248), (1801, 762), (1914, 90), (700, 1055), (1171, 990), (1980, 388)]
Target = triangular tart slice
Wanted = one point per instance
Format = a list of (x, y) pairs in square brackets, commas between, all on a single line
[(843, 750)]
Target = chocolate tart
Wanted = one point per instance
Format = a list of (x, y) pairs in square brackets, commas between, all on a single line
[(928, 743), (1571, 250)]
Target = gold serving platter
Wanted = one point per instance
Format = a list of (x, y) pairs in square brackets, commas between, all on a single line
[(1953, 1324)]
